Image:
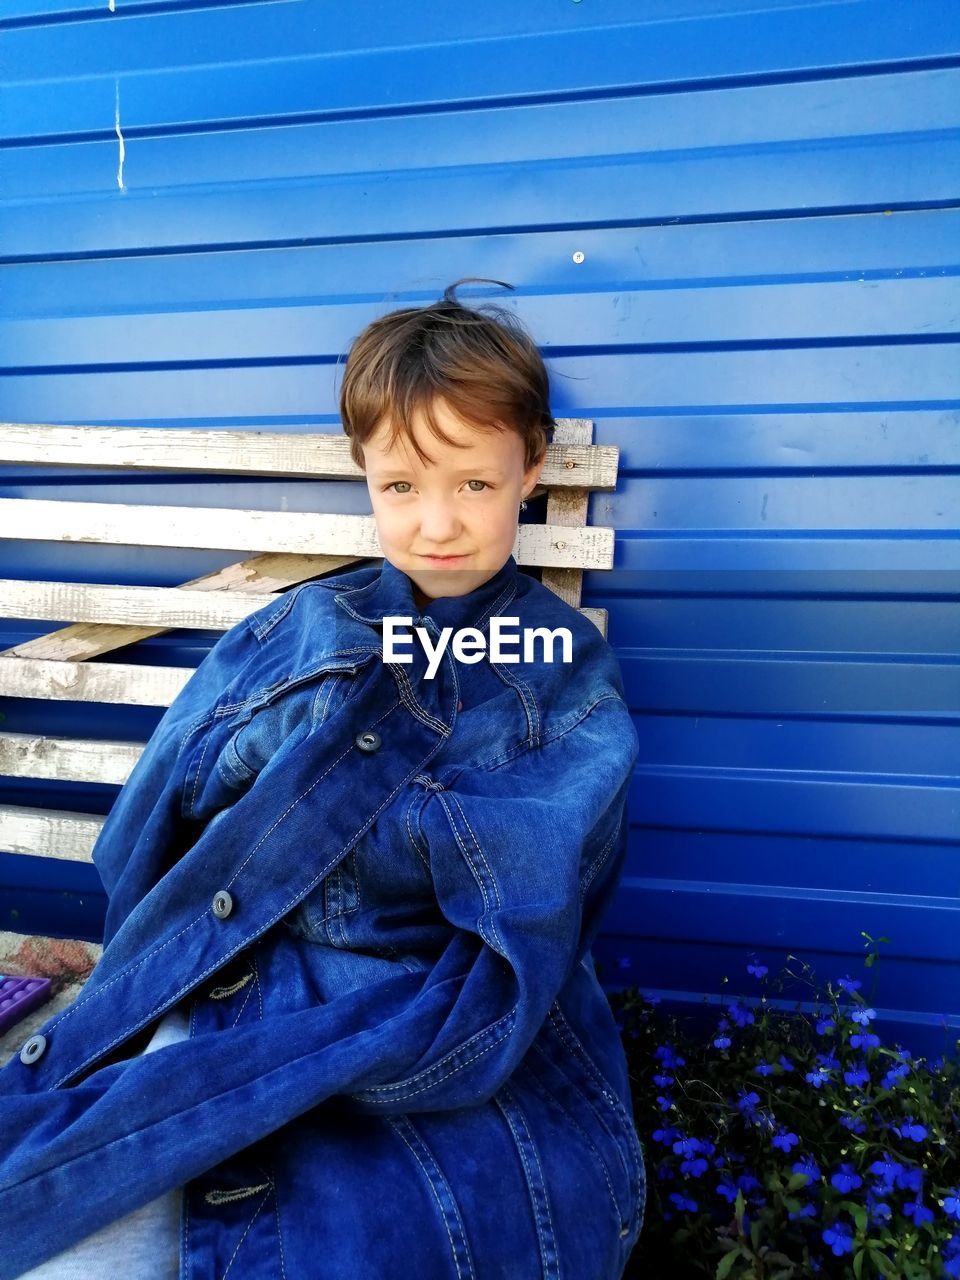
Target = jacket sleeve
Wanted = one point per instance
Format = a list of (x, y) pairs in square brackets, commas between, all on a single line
[(525, 860), (145, 832)]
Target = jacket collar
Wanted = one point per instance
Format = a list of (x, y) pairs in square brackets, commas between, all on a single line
[(390, 594)]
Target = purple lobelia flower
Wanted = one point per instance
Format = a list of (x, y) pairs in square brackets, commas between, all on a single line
[(683, 1203), (857, 1076), (849, 984), (839, 1237), (863, 1016), (918, 1211), (909, 1128), (846, 1178), (887, 1170), (806, 1165)]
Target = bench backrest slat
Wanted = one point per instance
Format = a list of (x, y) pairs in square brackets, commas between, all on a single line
[(573, 464), (294, 532)]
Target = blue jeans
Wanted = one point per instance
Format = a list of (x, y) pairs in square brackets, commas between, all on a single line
[(145, 1243)]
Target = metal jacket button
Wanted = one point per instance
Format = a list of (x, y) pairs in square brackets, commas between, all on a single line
[(368, 740), (33, 1049), (222, 904)]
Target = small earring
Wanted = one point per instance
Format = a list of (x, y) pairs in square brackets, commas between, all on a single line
[(523, 504)]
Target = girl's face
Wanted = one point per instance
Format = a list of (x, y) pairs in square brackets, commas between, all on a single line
[(450, 525)]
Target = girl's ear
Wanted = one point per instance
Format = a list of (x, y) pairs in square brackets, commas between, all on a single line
[(532, 474)]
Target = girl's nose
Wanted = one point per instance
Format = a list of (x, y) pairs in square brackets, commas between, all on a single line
[(438, 522)]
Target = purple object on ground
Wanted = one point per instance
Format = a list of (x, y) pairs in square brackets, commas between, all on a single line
[(18, 996)]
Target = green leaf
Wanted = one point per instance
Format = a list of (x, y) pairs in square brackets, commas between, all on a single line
[(725, 1265), (797, 1180), (739, 1205), (858, 1263)]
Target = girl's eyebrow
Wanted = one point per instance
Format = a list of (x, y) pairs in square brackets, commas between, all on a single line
[(395, 473)]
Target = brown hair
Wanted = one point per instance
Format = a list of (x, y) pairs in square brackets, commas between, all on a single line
[(486, 368)]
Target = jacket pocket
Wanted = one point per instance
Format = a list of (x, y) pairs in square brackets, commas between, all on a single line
[(235, 747), (270, 718), (321, 915), (264, 727)]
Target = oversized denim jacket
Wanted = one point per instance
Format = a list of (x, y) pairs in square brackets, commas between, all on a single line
[(377, 892)]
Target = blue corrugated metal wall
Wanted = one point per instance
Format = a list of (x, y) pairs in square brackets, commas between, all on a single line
[(203, 202)]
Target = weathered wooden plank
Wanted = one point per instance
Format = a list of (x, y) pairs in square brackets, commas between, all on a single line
[(598, 617), (217, 529), (263, 575), (123, 684), (49, 833), (27, 755), (265, 453), (568, 507), (104, 603)]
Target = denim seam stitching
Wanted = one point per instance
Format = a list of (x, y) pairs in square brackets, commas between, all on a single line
[(342, 896), (336, 685), (263, 628), (398, 1124), (597, 863), (505, 597), (412, 837), (543, 1183), (410, 700), (244, 1236), (629, 1173), (298, 678), (562, 728), (533, 718), (196, 776), (246, 999), (186, 1257), (506, 1100), (570, 1038), (400, 1088), (547, 1093), (276, 1211), (487, 908)]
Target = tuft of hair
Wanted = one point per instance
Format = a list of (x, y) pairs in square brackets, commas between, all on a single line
[(480, 361)]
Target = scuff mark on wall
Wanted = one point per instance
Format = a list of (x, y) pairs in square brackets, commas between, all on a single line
[(120, 136)]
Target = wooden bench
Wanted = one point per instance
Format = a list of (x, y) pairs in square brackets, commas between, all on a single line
[(286, 548)]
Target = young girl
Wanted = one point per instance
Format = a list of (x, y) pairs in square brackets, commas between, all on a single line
[(346, 1023)]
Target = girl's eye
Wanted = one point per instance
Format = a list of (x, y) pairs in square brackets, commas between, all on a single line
[(483, 482), (406, 482)]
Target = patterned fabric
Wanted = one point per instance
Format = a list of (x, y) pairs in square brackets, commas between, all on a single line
[(67, 962)]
